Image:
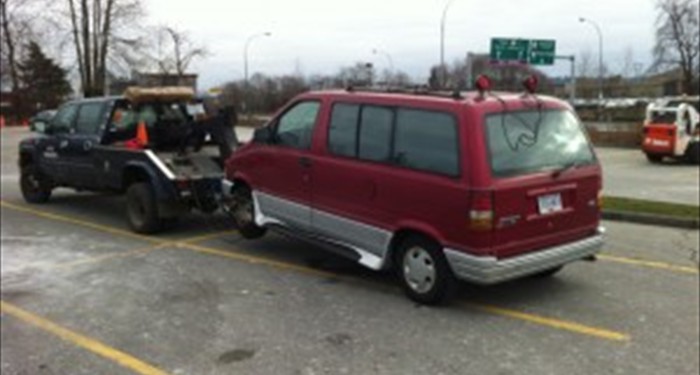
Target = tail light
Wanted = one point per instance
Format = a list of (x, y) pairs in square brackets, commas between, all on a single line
[(481, 212), (645, 130), (671, 132)]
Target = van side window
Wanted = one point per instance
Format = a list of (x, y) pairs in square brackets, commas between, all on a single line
[(427, 141), (375, 133), (342, 135), (89, 118), (295, 127)]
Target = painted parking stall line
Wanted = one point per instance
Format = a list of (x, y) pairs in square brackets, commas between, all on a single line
[(519, 315), (103, 350), (649, 264)]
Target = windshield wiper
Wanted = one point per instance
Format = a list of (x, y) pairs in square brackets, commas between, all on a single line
[(570, 165)]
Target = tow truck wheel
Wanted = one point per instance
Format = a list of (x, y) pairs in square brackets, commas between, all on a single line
[(654, 158), (34, 187), (142, 209), (242, 209)]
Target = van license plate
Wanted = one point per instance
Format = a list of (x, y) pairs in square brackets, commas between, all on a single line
[(549, 203)]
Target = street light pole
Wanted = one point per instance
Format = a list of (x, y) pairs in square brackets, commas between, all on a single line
[(245, 62), (443, 72), (600, 58)]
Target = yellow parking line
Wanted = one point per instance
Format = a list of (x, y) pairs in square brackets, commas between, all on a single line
[(103, 228), (649, 263), (569, 326), (209, 236), (255, 260), (92, 345), (553, 323)]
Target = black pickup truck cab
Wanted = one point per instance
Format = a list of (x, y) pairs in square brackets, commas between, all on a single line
[(89, 145)]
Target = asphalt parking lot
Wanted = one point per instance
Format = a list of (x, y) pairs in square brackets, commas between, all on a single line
[(627, 173), (83, 295)]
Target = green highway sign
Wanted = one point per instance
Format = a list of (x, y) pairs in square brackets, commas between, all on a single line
[(542, 52), (503, 49), (526, 51)]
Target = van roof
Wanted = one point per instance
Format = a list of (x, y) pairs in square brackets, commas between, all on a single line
[(491, 101)]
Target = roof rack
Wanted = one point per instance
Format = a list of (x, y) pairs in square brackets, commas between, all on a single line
[(415, 90)]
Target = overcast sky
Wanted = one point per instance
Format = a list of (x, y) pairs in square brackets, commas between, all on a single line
[(313, 36)]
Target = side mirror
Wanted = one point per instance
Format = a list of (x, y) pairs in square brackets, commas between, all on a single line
[(263, 135), (38, 126)]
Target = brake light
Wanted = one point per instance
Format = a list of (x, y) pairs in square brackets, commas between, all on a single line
[(481, 213)]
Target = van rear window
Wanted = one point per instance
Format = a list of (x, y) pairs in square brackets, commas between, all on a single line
[(533, 141)]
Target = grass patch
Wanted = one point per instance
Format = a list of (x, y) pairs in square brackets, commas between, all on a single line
[(642, 206)]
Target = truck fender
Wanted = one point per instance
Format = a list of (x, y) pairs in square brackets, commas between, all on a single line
[(139, 171)]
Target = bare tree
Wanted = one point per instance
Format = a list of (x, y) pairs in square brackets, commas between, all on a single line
[(16, 20), (99, 27), (628, 63), (176, 51), (585, 64), (678, 39)]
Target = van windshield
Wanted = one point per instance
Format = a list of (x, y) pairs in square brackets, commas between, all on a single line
[(532, 141)]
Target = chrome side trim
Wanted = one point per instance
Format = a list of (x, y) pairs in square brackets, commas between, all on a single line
[(159, 163), (490, 270), (363, 237), (371, 244), (367, 259), (273, 210)]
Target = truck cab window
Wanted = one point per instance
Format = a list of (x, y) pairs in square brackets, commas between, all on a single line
[(89, 118)]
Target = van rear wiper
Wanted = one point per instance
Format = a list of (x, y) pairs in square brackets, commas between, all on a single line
[(570, 165)]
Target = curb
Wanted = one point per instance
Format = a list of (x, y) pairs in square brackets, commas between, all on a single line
[(661, 220)]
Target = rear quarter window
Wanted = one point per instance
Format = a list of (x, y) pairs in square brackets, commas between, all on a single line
[(427, 141)]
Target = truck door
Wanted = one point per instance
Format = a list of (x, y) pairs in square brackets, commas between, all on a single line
[(49, 148), (77, 151)]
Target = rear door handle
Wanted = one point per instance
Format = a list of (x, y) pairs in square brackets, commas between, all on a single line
[(305, 162)]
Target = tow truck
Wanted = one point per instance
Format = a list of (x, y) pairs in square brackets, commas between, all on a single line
[(159, 146), (672, 129)]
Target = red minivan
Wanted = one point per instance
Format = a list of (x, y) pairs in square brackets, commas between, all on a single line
[(479, 187)]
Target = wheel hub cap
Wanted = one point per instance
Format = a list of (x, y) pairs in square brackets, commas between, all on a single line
[(419, 269)]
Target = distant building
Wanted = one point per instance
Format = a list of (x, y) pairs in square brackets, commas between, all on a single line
[(669, 83)]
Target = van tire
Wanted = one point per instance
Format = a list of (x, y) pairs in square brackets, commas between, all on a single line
[(423, 271), (242, 210), (653, 158), (35, 189), (142, 209)]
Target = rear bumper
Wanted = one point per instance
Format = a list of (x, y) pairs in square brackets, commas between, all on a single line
[(491, 270)]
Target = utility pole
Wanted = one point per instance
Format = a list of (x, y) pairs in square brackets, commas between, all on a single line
[(572, 77)]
